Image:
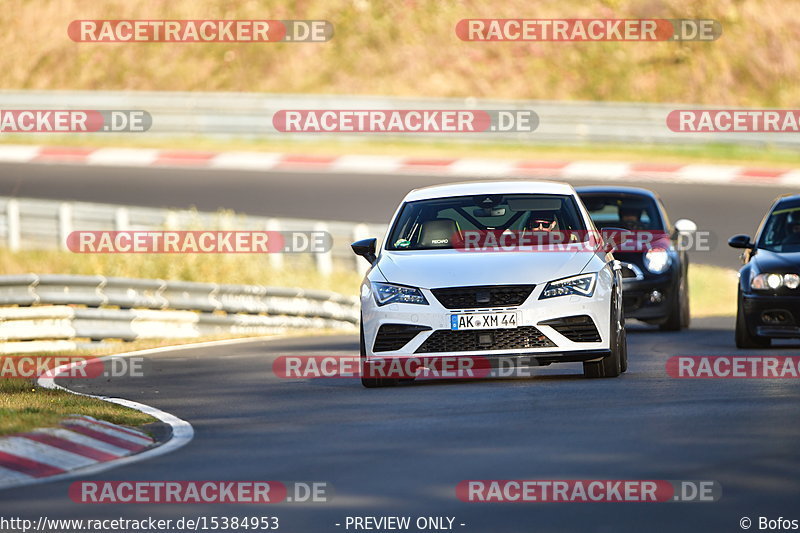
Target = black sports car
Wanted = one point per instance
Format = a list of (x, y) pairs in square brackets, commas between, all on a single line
[(655, 283), (769, 282)]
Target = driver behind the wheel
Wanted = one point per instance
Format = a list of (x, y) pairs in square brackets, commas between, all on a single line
[(630, 218), (792, 228), (542, 221)]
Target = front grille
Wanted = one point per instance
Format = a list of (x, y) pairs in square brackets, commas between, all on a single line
[(392, 337), (445, 340), (579, 328), (483, 296)]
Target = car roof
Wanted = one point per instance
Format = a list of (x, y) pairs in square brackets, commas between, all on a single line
[(611, 190), (787, 198), (470, 188)]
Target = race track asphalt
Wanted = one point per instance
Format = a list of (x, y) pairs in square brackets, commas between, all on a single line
[(401, 451)]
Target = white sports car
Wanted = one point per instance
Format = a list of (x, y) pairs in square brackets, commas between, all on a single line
[(428, 294)]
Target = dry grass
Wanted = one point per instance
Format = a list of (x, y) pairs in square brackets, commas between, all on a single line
[(712, 291), (214, 268), (410, 48)]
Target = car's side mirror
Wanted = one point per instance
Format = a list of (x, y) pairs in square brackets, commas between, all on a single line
[(685, 226), (366, 249), (740, 241)]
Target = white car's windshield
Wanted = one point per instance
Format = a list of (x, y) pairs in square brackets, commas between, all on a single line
[(436, 223)]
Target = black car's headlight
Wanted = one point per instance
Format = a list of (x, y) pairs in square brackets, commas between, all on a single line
[(387, 293), (657, 260), (765, 282), (582, 285)]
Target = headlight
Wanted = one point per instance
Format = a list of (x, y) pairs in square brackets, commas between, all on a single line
[(657, 260), (582, 285), (775, 281), (386, 293)]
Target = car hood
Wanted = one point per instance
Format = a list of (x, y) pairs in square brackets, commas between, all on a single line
[(767, 261), (453, 268)]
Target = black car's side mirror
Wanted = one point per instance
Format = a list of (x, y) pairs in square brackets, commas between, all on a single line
[(366, 249), (740, 241)]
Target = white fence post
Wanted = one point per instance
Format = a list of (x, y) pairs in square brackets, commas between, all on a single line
[(122, 219), (275, 258), (324, 260), (64, 224), (12, 223)]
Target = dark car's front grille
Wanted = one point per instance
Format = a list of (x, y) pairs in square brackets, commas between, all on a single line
[(445, 340), (392, 337), (483, 296), (579, 328)]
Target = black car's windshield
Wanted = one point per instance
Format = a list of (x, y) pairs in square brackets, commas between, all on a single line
[(628, 212), (781, 232), (435, 223)]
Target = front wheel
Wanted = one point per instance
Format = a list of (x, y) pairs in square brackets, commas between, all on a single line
[(743, 337), (679, 316), (616, 363)]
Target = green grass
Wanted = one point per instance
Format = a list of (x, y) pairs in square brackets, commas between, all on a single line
[(25, 406)]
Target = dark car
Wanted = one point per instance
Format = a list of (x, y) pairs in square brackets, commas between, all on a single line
[(655, 283), (769, 282)]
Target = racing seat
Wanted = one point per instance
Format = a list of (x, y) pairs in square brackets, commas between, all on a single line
[(439, 233)]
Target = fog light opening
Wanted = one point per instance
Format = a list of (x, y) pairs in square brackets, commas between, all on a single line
[(655, 297)]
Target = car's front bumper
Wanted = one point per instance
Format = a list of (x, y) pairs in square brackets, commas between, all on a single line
[(772, 316), (650, 297), (541, 333)]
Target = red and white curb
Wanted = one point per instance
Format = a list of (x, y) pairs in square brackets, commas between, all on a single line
[(84, 446), (378, 164), (81, 441)]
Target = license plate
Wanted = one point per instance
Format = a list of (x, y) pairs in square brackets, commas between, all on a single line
[(483, 321)]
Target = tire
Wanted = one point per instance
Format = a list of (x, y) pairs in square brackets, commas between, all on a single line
[(678, 316), (371, 383), (744, 339), (612, 366), (686, 314)]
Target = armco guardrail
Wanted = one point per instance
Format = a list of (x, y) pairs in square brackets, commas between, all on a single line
[(249, 115), (45, 224), (38, 312)]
